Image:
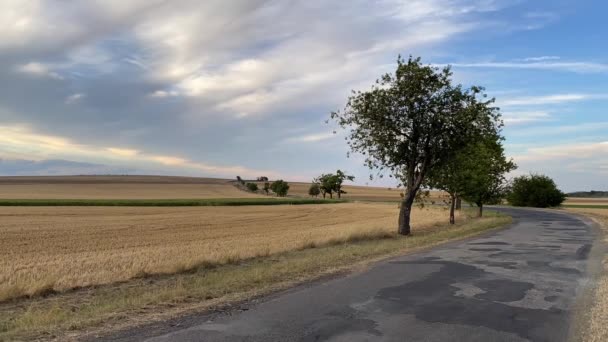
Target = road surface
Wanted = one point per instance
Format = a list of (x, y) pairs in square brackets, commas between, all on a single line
[(523, 283)]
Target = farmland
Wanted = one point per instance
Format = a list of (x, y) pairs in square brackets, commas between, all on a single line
[(58, 248), (71, 267)]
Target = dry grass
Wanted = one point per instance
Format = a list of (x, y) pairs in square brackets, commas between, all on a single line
[(48, 249), (107, 308), (597, 329)]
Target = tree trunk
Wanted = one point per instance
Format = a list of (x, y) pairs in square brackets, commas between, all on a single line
[(339, 194), (331, 195), (405, 213), (323, 195), (480, 205), (458, 203), (452, 205)]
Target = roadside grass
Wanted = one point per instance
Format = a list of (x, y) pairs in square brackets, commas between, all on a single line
[(144, 300), (596, 327), (205, 202)]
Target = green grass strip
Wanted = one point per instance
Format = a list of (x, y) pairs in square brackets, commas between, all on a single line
[(164, 202)]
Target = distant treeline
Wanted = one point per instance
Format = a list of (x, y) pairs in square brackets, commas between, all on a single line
[(591, 193)]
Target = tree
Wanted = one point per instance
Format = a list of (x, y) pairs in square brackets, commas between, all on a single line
[(314, 189), (327, 184), (280, 188), (266, 187), (411, 122), (262, 179), (484, 167), (240, 180), (535, 191), (253, 187), (340, 177)]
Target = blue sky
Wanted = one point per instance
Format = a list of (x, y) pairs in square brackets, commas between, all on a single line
[(220, 88)]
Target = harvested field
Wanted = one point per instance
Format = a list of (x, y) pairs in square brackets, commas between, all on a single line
[(46, 249), (118, 187), (596, 328)]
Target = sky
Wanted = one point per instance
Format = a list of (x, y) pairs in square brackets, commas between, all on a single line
[(226, 88)]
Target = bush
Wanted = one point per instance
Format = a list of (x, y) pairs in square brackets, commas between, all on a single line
[(537, 191), (252, 187), (314, 190), (280, 188)]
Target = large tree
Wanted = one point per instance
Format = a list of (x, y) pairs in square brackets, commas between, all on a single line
[(412, 121), (535, 191)]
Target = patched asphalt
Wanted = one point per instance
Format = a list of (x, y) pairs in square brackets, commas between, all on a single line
[(523, 283)]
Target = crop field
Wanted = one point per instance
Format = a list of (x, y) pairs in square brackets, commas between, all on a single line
[(118, 187), (597, 203), (363, 193), (53, 249)]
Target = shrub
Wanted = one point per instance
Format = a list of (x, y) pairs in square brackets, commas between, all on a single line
[(252, 187), (537, 191), (314, 190), (280, 187)]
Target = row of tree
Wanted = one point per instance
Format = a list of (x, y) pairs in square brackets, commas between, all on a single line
[(279, 187), (329, 184), (423, 130)]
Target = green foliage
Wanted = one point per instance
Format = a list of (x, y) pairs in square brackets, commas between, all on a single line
[(535, 191), (280, 188), (332, 183), (253, 187), (314, 189), (266, 187), (413, 121)]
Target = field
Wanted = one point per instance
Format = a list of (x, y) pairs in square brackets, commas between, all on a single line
[(362, 193), (46, 249), (597, 330), (118, 187), (597, 203)]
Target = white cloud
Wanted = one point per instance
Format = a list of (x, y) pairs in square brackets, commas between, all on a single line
[(543, 64), (310, 138), (540, 59), (74, 98), (550, 99), (560, 152), (23, 143), (38, 69), (523, 117)]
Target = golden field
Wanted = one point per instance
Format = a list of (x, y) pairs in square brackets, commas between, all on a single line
[(118, 187), (361, 193), (585, 201), (58, 248)]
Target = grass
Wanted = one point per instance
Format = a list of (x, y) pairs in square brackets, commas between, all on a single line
[(206, 202), (160, 297), (596, 327)]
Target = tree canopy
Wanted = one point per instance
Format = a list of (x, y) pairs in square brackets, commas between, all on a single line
[(535, 191), (412, 121), (280, 187)]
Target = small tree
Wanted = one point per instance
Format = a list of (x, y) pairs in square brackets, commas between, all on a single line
[(411, 122), (239, 179), (314, 190), (253, 187), (262, 179), (535, 191), (327, 184), (340, 178), (484, 169), (266, 187), (280, 188)]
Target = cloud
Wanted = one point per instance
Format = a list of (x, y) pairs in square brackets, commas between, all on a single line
[(550, 99), (19, 142), (561, 129), (38, 69), (522, 117), (540, 59), (542, 64), (74, 98), (311, 138)]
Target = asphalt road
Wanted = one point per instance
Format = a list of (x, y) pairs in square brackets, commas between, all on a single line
[(526, 282)]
